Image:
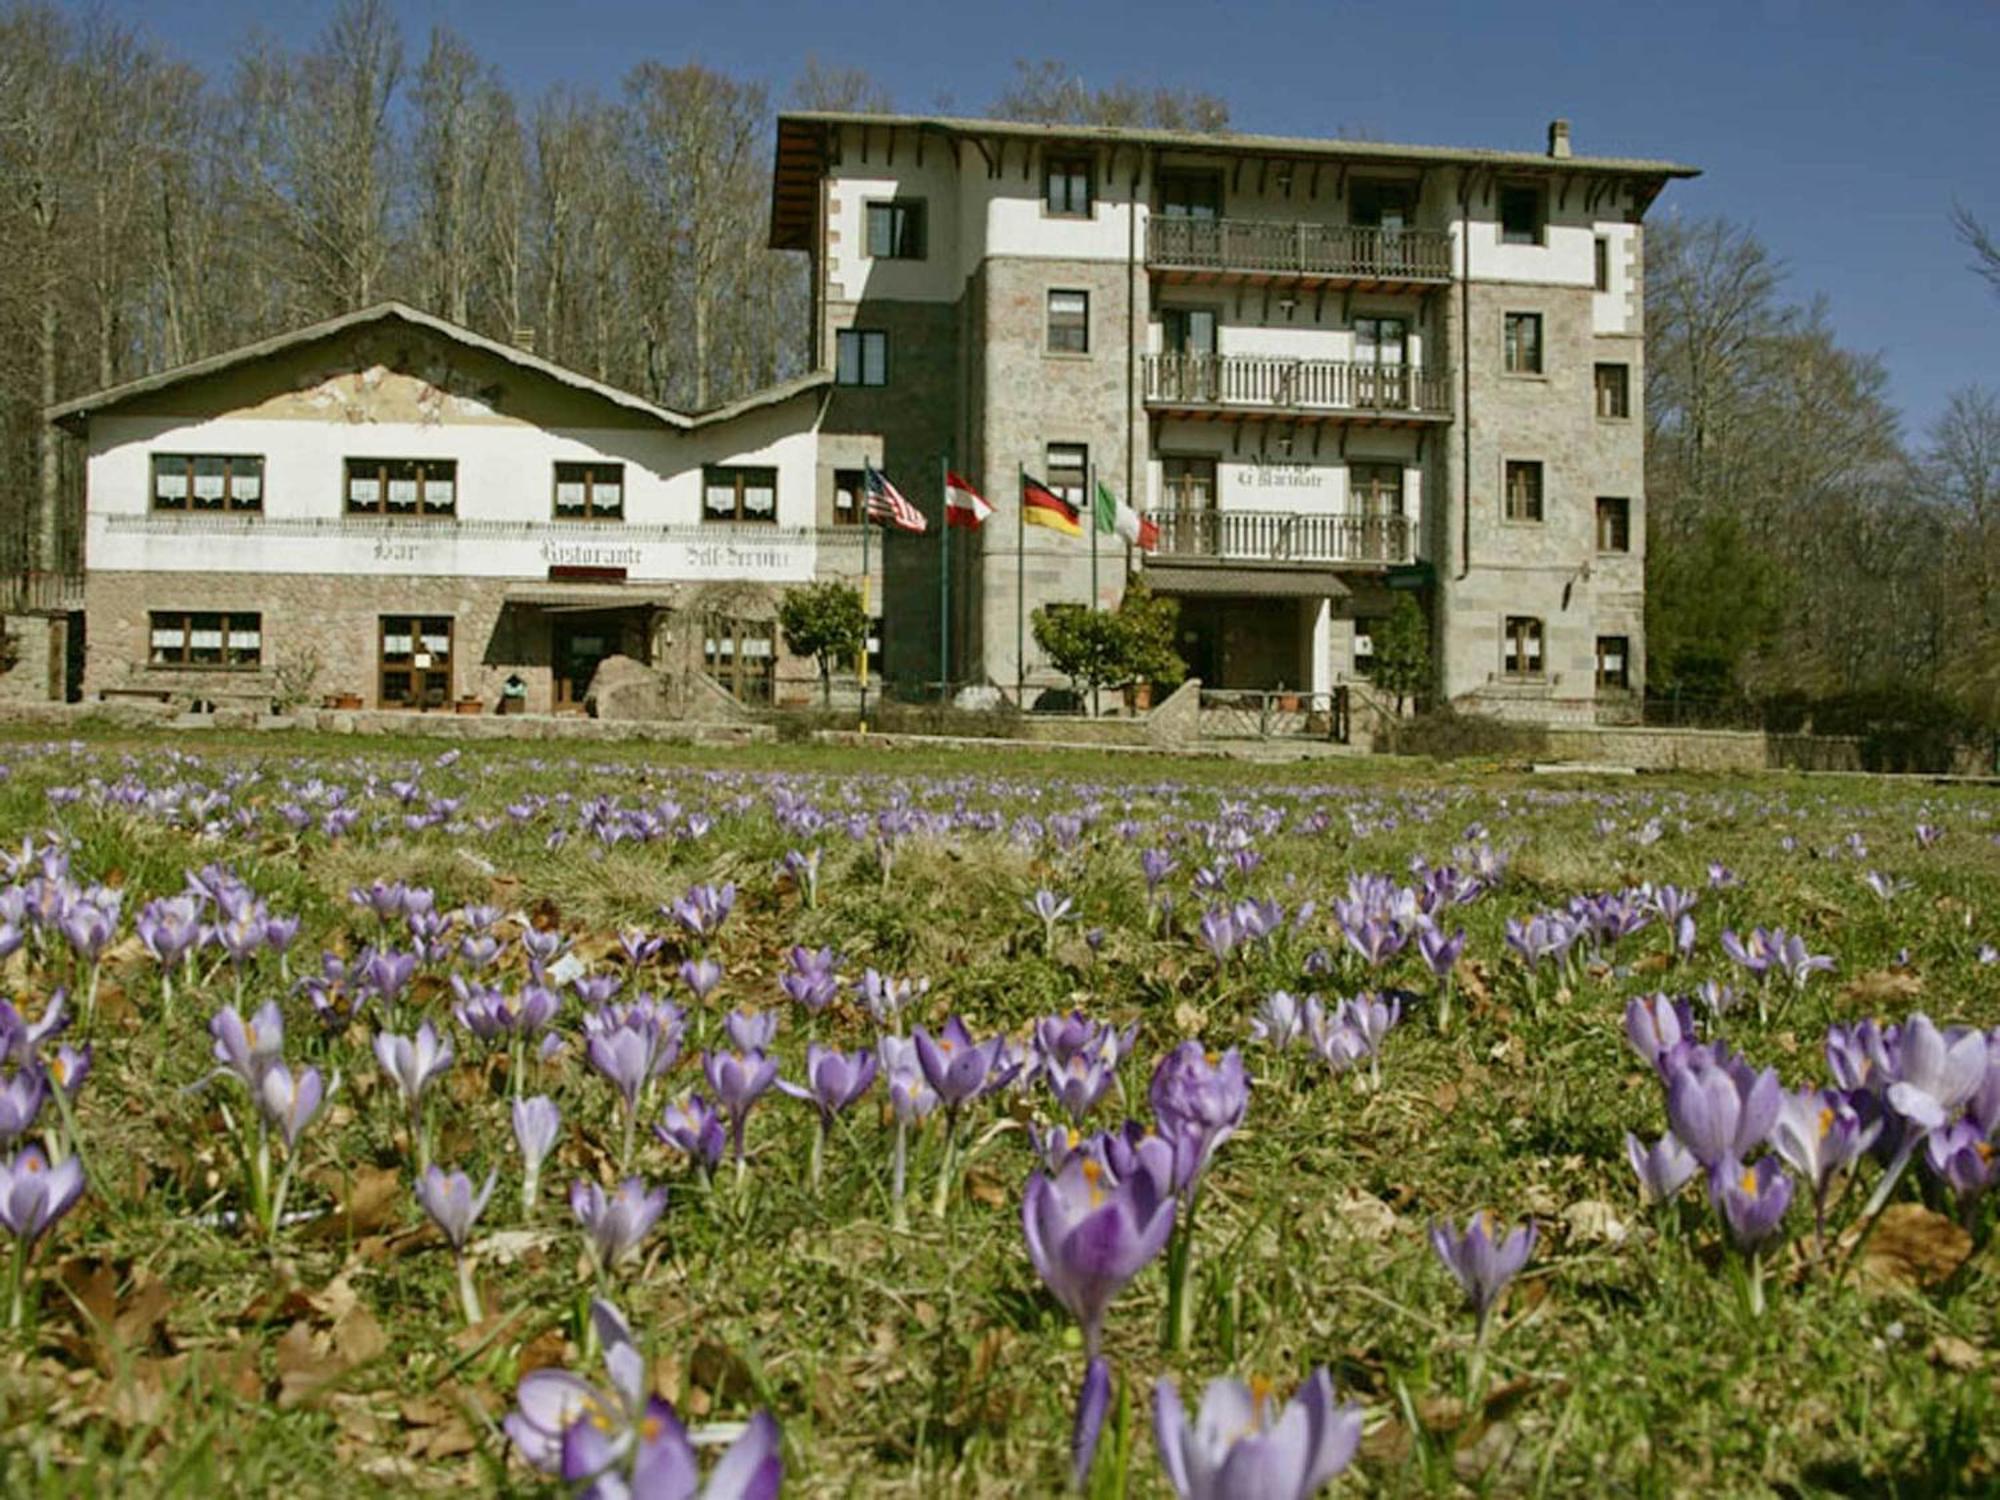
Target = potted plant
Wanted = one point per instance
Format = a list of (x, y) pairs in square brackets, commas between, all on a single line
[(470, 703), (1288, 701), (349, 701), (1139, 696)]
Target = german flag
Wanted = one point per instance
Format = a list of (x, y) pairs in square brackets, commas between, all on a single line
[(1042, 506)]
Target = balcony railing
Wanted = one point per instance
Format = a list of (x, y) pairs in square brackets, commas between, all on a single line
[(1273, 383), (1280, 536), (1338, 252), (35, 593)]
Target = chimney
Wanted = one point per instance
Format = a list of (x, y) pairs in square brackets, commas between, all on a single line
[(1559, 138), (524, 340)]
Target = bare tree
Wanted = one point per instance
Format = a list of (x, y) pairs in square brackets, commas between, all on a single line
[(837, 90), (1979, 240), (1052, 93)]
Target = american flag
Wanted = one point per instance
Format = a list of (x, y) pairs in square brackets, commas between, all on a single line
[(886, 503)]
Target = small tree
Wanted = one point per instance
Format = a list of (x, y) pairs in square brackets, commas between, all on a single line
[(1150, 623), (1087, 646), (824, 621), (1403, 651)]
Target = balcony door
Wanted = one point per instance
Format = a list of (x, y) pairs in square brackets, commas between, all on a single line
[(1189, 527), (1384, 210), (415, 662), (1381, 375), (1188, 369), (1191, 206), (1375, 497)]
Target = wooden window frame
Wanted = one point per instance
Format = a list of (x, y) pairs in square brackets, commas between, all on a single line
[(163, 464), (1367, 478), (1620, 387), (229, 621), (590, 474), (1537, 502), (741, 477), (427, 472), (1513, 352), (857, 480), (913, 240), (1064, 169), (858, 339), (1186, 175), (1079, 327), (1539, 193), (384, 669), (1176, 492), (1614, 518), (1623, 680), (1516, 633)]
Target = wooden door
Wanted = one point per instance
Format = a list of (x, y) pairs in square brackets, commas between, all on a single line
[(414, 666)]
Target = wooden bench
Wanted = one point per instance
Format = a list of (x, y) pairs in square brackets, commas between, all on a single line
[(155, 695)]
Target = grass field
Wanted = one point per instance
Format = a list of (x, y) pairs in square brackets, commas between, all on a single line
[(179, 1332)]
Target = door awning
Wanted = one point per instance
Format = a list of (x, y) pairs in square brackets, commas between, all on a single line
[(1254, 583), (584, 596)]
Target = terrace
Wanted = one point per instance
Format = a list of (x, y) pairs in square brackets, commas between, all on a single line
[(1207, 386), (1268, 536), (1351, 255)]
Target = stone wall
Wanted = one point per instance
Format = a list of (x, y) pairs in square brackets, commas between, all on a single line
[(31, 659)]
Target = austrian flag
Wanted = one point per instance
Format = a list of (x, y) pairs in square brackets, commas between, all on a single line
[(964, 507), (886, 503)]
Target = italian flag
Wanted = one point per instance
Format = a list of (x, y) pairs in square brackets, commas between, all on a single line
[(964, 507)]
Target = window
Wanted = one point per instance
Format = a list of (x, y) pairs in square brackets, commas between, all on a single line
[(1383, 205), (402, 486), (415, 663), (590, 492), (1602, 264), (1069, 322), (1522, 344), (1364, 648), (1521, 647), (742, 655), (1187, 482), (1068, 470), (1191, 195), (1612, 654), (1187, 330), (1520, 215), (1067, 186), (896, 229), (220, 642), (207, 482), (736, 494), (861, 356), (1524, 489), (1614, 524), (1375, 490), (847, 497), (1614, 391)]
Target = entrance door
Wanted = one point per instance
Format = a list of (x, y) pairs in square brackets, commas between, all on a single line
[(1380, 376), (415, 664), (1187, 340), (577, 650)]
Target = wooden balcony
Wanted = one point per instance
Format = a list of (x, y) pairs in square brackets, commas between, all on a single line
[(1226, 385), (1269, 536), (36, 593), (1331, 254)]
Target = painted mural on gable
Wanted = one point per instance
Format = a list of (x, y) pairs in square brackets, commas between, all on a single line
[(375, 381)]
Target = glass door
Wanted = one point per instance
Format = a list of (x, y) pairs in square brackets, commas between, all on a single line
[(576, 650), (415, 662), (1188, 367), (1381, 378)]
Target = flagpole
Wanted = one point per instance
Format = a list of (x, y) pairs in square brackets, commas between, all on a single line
[(944, 578), (1093, 539), (864, 601), (1021, 586)]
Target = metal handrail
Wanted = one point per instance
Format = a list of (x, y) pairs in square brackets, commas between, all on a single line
[(1282, 536), (1283, 383)]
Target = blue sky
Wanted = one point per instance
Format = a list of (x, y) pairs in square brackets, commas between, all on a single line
[(1842, 132)]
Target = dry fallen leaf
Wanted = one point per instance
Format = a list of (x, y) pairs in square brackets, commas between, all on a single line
[(1955, 1353), (1365, 1216), (1913, 1247), (1592, 1222), (1884, 987)]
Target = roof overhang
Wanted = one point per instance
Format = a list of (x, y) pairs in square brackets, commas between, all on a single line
[(808, 143)]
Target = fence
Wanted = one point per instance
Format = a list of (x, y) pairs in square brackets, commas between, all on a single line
[(35, 593), (1260, 714)]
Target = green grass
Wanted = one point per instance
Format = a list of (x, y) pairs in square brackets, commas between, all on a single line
[(930, 1362)]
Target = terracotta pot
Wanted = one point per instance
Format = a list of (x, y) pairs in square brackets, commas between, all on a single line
[(470, 706), (1288, 703), (345, 700), (1139, 696)]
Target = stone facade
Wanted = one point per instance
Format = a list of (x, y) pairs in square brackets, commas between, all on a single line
[(32, 657)]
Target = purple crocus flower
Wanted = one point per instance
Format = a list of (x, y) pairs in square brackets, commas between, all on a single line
[(537, 1123), (1439, 952), (247, 1048), (1720, 1108), (1218, 933), (34, 1195), (701, 976), (663, 1465), (811, 980), (21, 1099), (412, 1062), (615, 1222), (549, 1402), (1819, 1135), (1964, 1159), (1482, 1264), (1279, 1021), (1663, 1168), (1079, 1083), (834, 1079), (289, 1102), (70, 1066), (626, 1057), (694, 1129), (738, 1081), (751, 1030), (1199, 1100), (1088, 1237), (1935, 1072), (1752, 1200), (1656, 1026), (910, 1096), (1243, 1446), (956, 1066), (452, 1203)]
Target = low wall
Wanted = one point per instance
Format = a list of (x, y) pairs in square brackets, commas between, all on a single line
[(1646, 749), (31, 666)]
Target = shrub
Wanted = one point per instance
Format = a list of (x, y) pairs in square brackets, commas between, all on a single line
[(825, 621), (1445, 734)]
